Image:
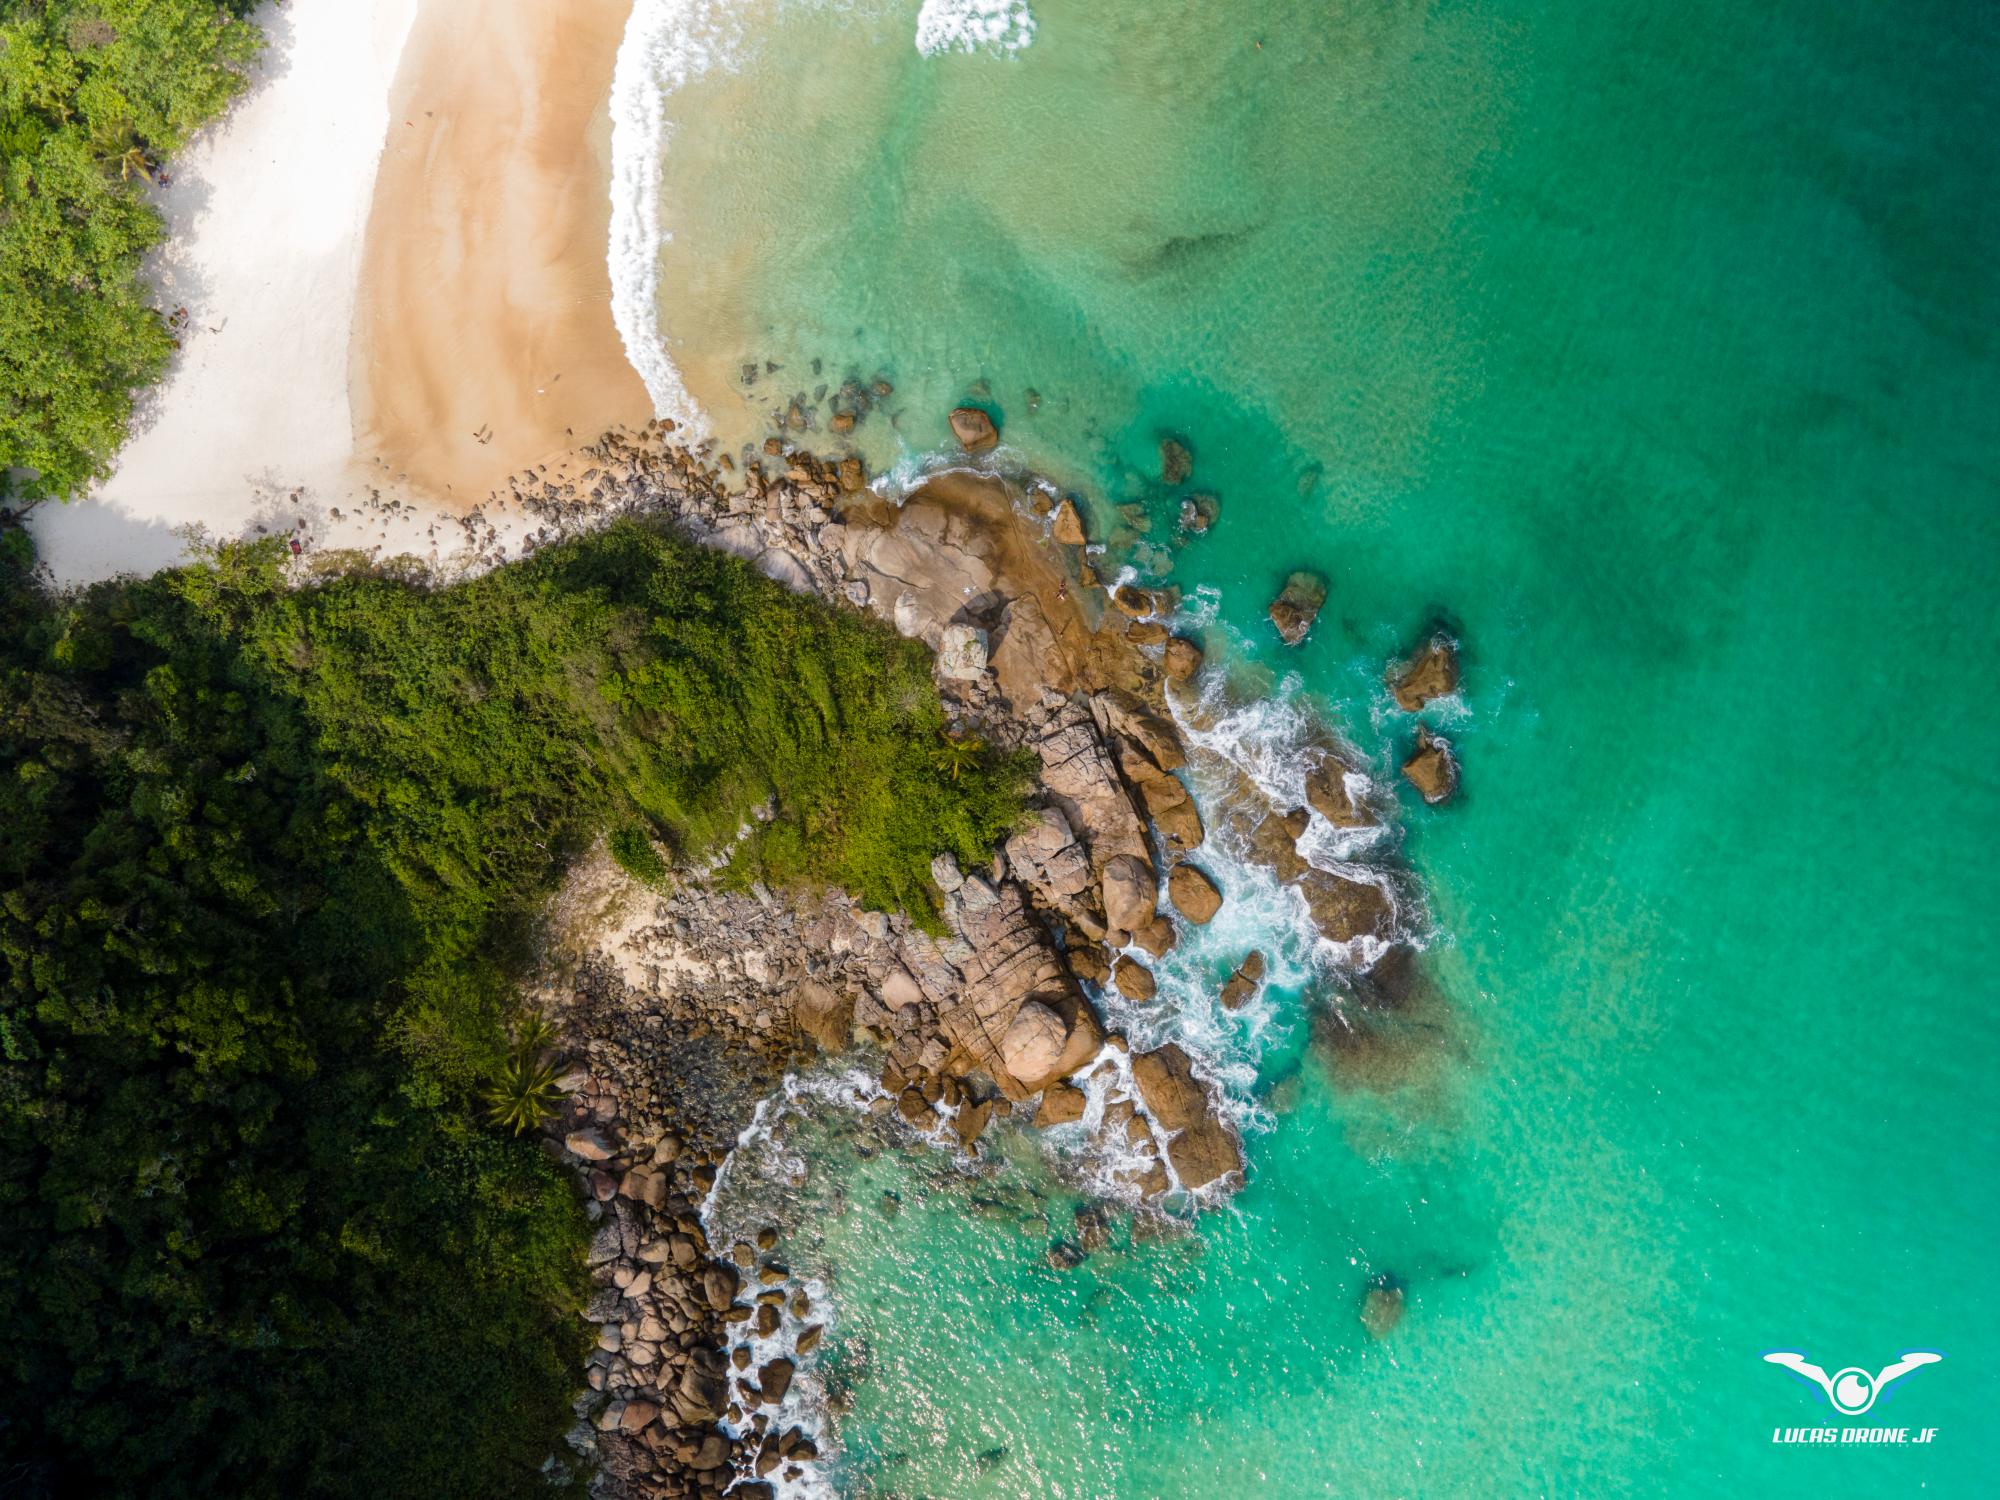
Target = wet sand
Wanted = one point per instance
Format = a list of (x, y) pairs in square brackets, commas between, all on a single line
[(483, 342)]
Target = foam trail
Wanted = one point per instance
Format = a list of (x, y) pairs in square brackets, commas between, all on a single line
[(667, 43), (974, 26)]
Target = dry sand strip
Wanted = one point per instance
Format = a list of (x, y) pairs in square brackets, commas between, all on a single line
[(483, 340)]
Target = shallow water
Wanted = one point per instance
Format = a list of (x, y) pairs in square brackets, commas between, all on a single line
[(1654, 348)]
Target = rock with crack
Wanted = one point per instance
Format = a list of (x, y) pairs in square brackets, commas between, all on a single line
[(1019, 1014), (1022, 651), (974, 429), (1328, 794), (1067, 525), (1242, 984), (1047, 857), (1201, 1147), (1082, 779)]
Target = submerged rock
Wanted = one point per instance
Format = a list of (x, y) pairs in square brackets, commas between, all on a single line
[(1431, 768), (1297, 606), (1176, 462), (1431, 673), (974, 429), (1199, 513), (1382, 1307)]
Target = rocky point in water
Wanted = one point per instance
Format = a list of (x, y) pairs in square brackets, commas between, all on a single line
[(1431, 768), (1431, 672), (685, 1004), (1298, 604)]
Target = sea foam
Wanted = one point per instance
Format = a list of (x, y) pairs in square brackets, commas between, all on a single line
[(974, 26), (667, 43)]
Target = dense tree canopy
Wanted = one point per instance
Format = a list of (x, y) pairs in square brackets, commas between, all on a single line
[(94, 96), (268, 860)]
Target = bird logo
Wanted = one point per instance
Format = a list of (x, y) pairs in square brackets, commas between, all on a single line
[(1852, 1390)]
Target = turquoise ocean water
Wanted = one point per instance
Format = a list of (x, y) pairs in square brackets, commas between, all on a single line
[(1653, 346)]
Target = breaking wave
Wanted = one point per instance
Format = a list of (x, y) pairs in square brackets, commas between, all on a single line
[(667, 43), (974, 26)]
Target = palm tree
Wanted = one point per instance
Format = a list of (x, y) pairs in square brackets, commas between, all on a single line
[(527, 1090), (958, 754)]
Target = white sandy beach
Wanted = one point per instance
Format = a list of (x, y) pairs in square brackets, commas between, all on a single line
[(356, 311)]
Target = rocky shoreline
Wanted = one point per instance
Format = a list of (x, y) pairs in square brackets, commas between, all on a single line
[(684, 1006)]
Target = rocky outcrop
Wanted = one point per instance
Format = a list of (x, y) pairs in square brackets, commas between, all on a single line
[(1066, 525), (1432, 672), (1130, 893), (1201, 1148), (1297, 606), (1238, 989), (1194, 895), (1328, 794), (974, 429), (1382, 1307), (1431, 768), (1183, 659)]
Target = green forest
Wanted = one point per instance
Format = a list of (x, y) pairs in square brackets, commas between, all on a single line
[(95, 97), (270, 858)]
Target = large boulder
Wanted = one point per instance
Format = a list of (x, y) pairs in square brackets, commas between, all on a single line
[(1067, 526), (961, 653), (780, 566), (1134, 980), (1194, 895), (974, 429), (1183, 659), (1062, 1104), (1431, 673), (1032, 1048), (823, 1014), (1131, 892), (1025, 656), (1204, 1152), (1172, 810), (1298, 604), (1174, 1097), (1046, 855), (1431, 768)]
